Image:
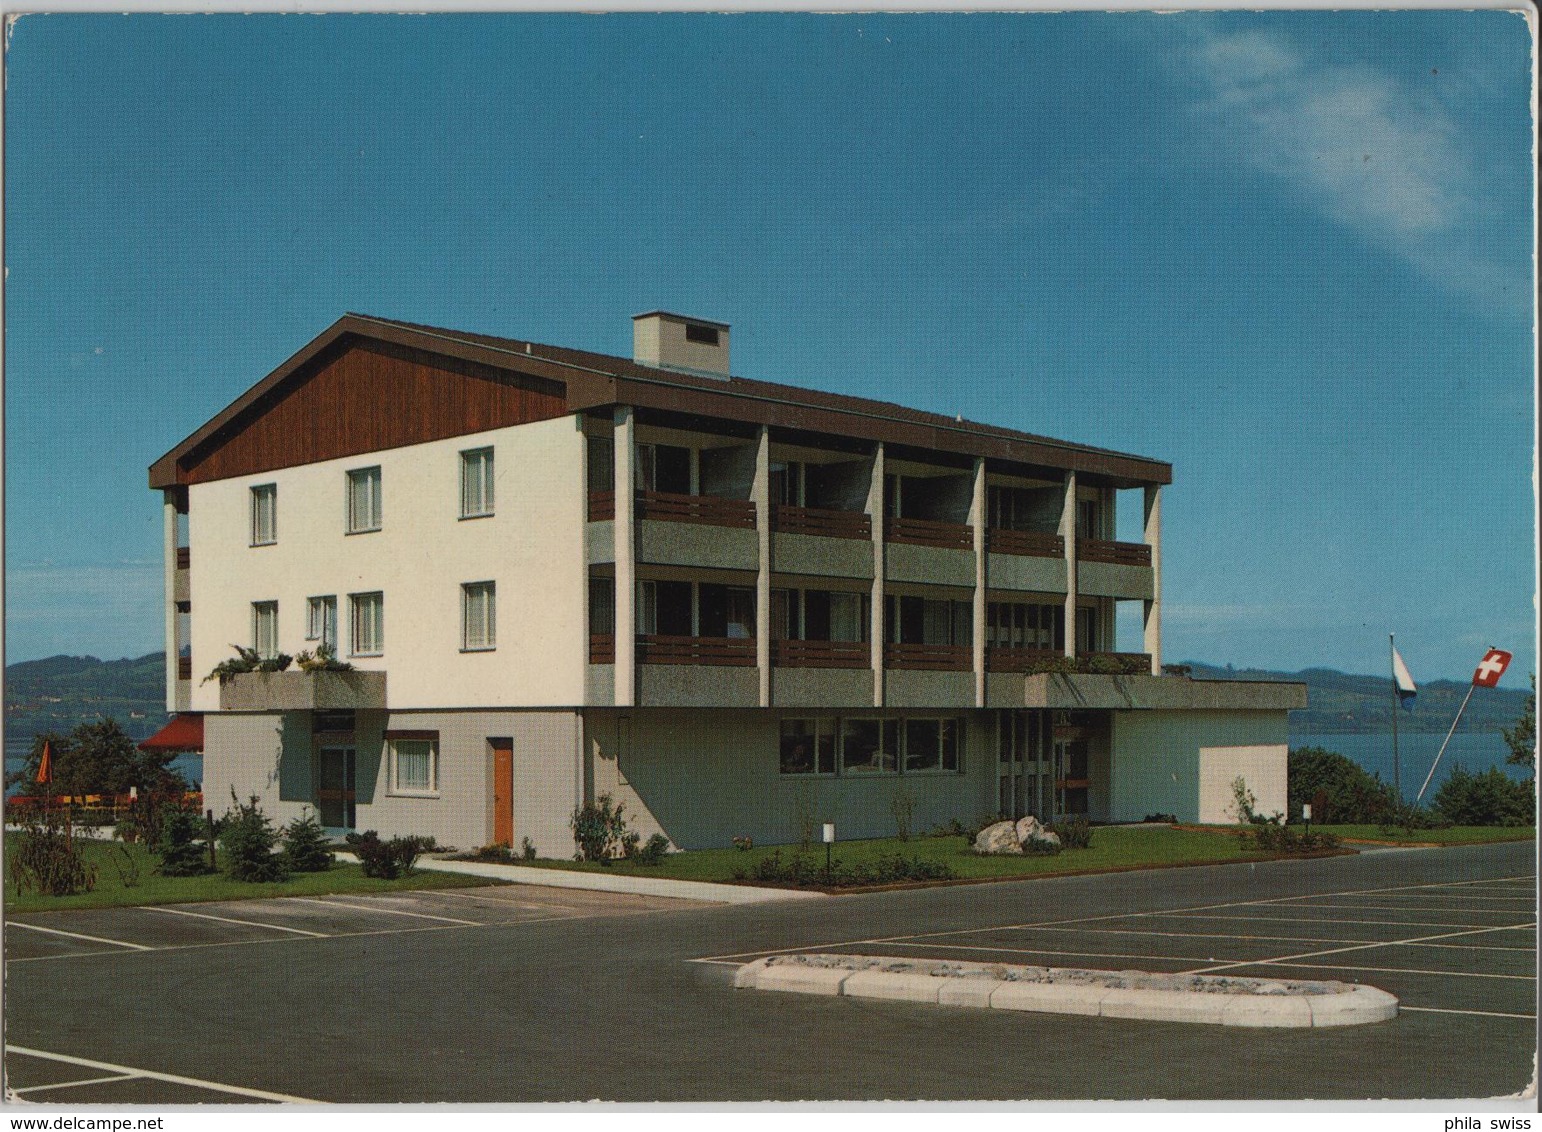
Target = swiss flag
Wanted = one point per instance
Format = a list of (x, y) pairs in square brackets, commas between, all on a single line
[(1491, 668)]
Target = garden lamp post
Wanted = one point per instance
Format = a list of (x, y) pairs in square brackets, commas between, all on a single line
[(829, 841), (1306, 816)]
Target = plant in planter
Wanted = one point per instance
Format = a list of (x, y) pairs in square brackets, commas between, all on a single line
[(324, 659), (247, 660)]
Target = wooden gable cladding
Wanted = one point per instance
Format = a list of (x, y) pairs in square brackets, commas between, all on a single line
[(362, 395)]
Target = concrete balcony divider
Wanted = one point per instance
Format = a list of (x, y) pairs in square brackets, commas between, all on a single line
[(303, 691)]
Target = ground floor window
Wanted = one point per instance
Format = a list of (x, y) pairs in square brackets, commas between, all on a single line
[(808, 746), (931, 745), (414, 766)]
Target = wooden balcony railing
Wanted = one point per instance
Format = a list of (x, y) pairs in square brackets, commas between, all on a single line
[(727, 651), (602, 506), (792, 520), (1003, 659), (184, 668), (184, 557), (709, 509), (602, 648), (820, 654), (939, 658), (929, 532), (1118, 553), (1037, 544)]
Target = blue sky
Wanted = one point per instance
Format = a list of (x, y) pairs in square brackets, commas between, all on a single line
[(1288, 252)]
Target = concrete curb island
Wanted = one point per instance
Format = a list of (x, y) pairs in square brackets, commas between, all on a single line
[(1157, 997), (613, 882)]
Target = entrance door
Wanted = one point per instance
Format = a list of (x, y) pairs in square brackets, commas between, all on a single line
[(335, 788), (503, 791)]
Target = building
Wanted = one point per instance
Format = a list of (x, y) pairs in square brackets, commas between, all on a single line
[(738, 607)]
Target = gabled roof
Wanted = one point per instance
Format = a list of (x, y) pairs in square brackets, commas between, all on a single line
[(596, 381)]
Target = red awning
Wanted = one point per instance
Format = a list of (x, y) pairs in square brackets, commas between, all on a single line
[(182, 732)]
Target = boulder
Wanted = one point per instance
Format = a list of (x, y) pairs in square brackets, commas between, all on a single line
[(998, 838), (1031, 829)]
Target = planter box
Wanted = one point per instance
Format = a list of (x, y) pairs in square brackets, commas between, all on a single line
[(303, 691)]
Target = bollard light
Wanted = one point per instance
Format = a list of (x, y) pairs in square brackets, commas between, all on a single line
[(829, 841), (1306, 815)]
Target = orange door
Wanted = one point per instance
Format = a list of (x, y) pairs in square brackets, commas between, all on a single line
[(503, 791)]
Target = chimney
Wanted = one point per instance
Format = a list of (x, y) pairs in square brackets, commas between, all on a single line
[(673, 341)]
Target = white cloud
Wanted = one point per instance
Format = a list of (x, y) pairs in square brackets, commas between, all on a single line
[(1360, 146)]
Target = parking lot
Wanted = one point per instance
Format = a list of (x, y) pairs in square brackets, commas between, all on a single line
[(1460, 947), (521, 994)]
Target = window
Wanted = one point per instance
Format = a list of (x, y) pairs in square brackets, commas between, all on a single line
[(808, 746), (869, 746), (664, 467), (476, 483), (1088, 521), (265, 514), (706, 335), (602, 463), (364, 500), (664, 609), (931, 745), (414, 766), (602, 606), (265, 628), (321, 621), (923, 621), (367, 617), (478, 616)]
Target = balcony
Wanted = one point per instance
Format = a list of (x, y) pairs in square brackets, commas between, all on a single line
[(728, 652), (184, 557), (602, 648), (1003, 659), (820, 654), (602, 506), (929, 532), (1113, 553), (929, 658), (303, 691), (712, 510), (787, 519), (1028, 544)]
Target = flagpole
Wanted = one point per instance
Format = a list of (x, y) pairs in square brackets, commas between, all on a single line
[(1397, 778), (1454, 722)]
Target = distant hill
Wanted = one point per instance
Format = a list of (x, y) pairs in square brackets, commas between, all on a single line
[(58, 692), (1339, 702)]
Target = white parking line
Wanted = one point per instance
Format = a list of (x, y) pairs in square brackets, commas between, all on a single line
[(73, 1084), (1314, 920), (1045, 951), (1399, 908), (77, 935), (387, 911), (1368, 946), (505, 903), (1479, 1013), (228, 920), (1385, 970), (195, 1082)]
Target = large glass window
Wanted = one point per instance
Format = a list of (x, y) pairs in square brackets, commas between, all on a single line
[(367, 617), (476, 483), (808, 746), (265, 628), (664, 467), (479, 616), (931, 745), (602, 606), (869, 746), (265, 514), (364, 500)]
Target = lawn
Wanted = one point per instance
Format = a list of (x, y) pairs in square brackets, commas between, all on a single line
[(1456, 835), (1113, 848), (110, 890)]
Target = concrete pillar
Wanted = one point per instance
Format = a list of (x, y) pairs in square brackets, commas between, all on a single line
[(1068, 533), (1154, 606), (977, 629), (173, 646), (875, 509), (760, 492), (625, 527)]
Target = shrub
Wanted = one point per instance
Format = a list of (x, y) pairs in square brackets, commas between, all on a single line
[(126, 864), (324, 659), (1161, 819), (903, 806), (1074, 834), (305, 845), (179, 844), (247, 660), (387, 860), (45, 859), (806, 872), (1276, 837), (744, 842), (951, 828), (1042, 846), (599, 828), (1347, 793), (653, 852), (1407, 817), (1490, 798), (527, 849), (247, 838)]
